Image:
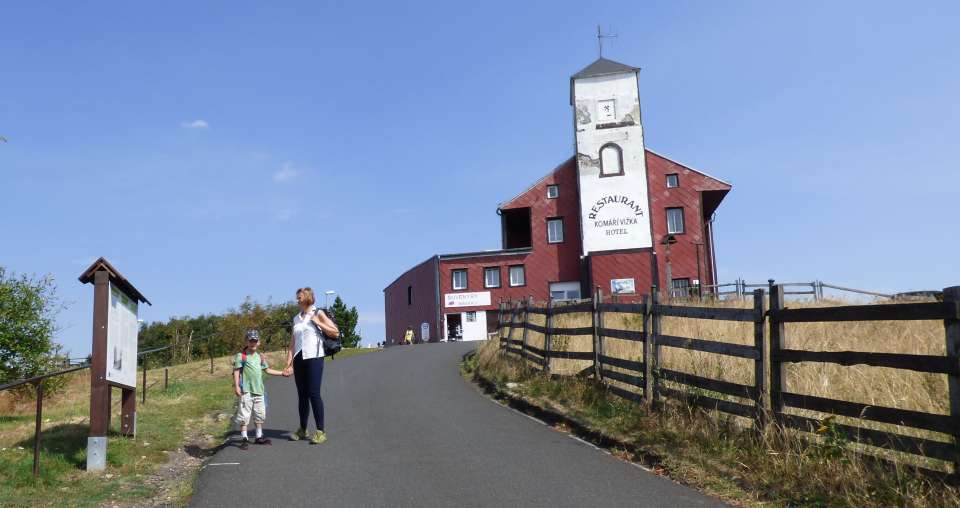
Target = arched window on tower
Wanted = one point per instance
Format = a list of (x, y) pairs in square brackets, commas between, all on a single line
[(611, 160)]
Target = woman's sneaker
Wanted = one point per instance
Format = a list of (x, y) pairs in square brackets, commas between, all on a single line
[(298, 435), (318, 437)]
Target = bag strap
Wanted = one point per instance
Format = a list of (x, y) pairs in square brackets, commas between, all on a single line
[(243, 365)]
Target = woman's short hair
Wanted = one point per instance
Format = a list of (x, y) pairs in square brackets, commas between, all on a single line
[(307, 295)]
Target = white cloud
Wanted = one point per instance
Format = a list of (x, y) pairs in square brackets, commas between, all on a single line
[(285, 214), (286, 173), (196, 124)]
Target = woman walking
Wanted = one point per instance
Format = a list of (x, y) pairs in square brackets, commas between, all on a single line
[(305, 361)]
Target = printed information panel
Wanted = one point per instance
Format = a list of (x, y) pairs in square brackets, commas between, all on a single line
[(122, 329), (479, 298)]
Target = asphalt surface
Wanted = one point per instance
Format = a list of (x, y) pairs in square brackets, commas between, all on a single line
[(406, 430)]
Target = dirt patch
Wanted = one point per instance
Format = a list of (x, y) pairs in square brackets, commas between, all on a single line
[(173, 482)]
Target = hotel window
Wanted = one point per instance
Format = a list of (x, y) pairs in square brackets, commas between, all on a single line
[(555, 230), (491, 277), (471, 316), (517, 276), (459, 279), (564, 290), (553, 191), (611, 160), (673, 180), (674, 221), (680, 287)]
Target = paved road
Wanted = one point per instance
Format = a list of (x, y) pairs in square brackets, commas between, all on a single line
[(406, 430)]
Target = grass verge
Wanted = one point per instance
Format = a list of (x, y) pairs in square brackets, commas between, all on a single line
[(707, 450), (176, 429)]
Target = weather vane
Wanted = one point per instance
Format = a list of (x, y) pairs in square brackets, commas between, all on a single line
[(600, 37)]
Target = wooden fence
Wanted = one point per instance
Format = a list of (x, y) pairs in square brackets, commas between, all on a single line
[(768, 398)]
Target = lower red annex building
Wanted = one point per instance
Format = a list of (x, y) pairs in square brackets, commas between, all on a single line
[(604, 218)]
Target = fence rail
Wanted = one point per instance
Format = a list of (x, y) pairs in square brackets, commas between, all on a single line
[(768, 399)]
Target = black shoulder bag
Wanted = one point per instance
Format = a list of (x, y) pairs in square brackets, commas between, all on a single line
[(331, 345)]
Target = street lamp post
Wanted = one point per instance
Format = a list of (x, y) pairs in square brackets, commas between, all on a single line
[(326, 298)]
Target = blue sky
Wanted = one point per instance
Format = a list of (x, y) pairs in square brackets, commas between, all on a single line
[(219, 151)]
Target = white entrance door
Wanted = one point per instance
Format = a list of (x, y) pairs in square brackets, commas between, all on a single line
[(474, 325)]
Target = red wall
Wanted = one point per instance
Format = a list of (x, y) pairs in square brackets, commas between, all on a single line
[(399, 314), (474, 267), (552, 262), (683, 254), (634, 265)]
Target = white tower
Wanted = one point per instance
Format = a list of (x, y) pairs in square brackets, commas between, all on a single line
[(611, 163)]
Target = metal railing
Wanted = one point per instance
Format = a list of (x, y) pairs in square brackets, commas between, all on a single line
[(740, 289), (37, 382)]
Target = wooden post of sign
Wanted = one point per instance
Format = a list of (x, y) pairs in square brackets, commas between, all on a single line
[(128, 412), (99, 389)]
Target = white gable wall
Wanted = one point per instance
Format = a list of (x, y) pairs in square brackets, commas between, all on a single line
[(614, 209)]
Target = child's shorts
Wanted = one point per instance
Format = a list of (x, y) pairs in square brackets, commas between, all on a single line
[(250, 403)]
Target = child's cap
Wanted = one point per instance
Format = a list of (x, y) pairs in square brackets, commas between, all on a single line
[(253, 335)]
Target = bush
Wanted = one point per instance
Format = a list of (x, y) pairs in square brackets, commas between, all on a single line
[(28, 308)]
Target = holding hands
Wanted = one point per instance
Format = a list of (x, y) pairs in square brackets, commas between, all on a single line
[(287, 371)]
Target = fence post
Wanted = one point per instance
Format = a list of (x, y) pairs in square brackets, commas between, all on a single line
[(165, 377), (547, 338), (523, 336), (210, 350), (654, 368), (761, 363), (143, 394), (952, 330), (36, 432), (778, 378), (647, 363), (500, 324), (597, 336)]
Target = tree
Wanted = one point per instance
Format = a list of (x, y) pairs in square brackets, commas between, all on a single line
[(28, 309), (347, 322)]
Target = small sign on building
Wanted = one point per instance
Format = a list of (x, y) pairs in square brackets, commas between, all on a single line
[(623, 286), (424, 332), (475, 299)]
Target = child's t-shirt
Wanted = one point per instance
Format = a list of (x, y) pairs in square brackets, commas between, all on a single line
[(251, 377)]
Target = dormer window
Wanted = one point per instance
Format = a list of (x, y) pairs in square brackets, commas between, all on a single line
[(611, 160)]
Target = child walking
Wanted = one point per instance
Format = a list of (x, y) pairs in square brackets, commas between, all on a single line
[(248, 368)]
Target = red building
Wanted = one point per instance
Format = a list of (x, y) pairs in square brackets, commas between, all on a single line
[(604, 218)]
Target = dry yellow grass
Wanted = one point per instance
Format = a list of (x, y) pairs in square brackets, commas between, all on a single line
[(876, 386)]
